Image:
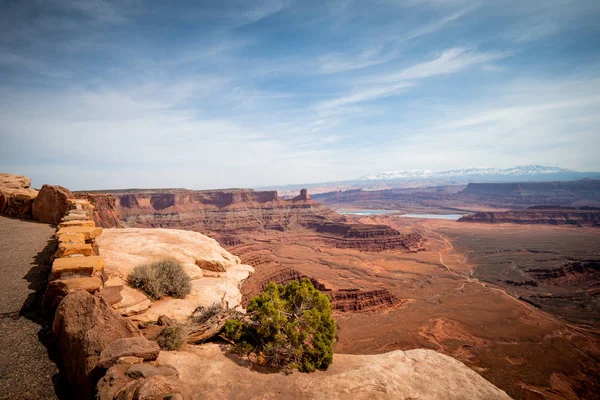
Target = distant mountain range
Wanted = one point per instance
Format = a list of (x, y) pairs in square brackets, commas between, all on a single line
[(424, 178), (522, 171)]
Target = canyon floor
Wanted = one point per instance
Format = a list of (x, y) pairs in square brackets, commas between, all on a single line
[(454, 299)]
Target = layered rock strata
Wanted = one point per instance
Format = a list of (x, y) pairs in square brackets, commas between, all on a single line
[(227, 213), (344, 300)]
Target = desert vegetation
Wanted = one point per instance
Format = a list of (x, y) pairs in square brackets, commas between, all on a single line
[(161, 278), (171, 337), (287, 326)]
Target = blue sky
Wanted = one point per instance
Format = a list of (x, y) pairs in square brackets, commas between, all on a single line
[(101, 94)]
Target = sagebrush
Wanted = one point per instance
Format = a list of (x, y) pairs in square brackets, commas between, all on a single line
[(159, 279), (171, 338), (289, 326)]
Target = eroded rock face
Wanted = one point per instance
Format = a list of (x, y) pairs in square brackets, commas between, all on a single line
[(418, 374), (51, 204), (83, 326)]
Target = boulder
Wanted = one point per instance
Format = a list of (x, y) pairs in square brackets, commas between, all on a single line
[(16, 197), (51, 204), (129, 347), (83, 326)]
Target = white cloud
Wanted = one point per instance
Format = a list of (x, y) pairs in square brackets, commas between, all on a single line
[(450, 61)]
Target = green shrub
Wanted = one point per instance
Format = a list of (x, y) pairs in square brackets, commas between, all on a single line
[(290, 326), (171, 338), (233, 329), (162, 278)]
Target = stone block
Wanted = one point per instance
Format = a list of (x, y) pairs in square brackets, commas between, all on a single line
[(76, 266), (67, 224), (68, 249), (88, 231), (72, 238)]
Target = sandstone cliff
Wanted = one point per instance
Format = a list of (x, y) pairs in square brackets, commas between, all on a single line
[(228, 213), (106, 214)]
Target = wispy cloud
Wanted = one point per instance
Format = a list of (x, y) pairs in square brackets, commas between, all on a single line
[(450, 61)]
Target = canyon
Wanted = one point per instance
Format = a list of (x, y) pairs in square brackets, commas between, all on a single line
[(226, 214), (482, 293), (515, 302)]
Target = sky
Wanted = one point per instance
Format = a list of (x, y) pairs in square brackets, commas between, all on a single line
[(96, 94)]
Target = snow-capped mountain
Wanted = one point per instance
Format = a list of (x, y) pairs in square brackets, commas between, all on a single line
[(520, 171)]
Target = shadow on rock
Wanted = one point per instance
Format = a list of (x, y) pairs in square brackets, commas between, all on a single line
[(246, 363)]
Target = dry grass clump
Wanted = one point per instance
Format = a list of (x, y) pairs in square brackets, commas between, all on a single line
[(203, 314), (159, 279), (171, 338)]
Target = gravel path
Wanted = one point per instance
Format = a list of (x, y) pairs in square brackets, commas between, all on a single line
[(26, 370)]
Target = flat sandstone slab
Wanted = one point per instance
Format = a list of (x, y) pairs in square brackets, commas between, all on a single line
[(415, 374), (75, 266)]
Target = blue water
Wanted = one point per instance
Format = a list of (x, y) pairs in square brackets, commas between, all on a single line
[(368, 212), (452, 217)]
